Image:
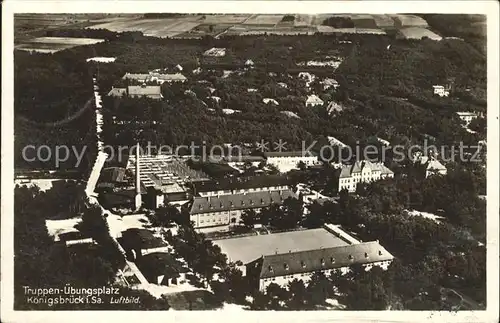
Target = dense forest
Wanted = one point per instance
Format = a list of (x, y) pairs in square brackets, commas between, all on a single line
[(385, 90), (339, 22)]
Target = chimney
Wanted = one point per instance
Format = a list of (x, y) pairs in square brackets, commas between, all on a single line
[(138, 197)]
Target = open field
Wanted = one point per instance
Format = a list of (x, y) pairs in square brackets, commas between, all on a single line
[(27, 26), (198, 25), (303, 20), (365, 22), (328, 29), (54, 44), (409, 21), (418, 33), (162, 27), (250, 248), (383, 21), (225, 19), (263, 20)]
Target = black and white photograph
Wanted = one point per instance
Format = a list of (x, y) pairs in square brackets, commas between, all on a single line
[(283, 158)]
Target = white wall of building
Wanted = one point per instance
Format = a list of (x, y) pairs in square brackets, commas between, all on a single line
[(366, 176), (283, 281), (286, 164)]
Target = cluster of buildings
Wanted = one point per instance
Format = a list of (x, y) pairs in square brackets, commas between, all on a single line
[(148, 84), (441, 90)]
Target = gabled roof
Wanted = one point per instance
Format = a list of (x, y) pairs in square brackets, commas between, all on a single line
[(160, 263), (112, 174), (329, 81), (359, 166), (135, 76), (239, 201), (151, 91), (264, 181), (321, 259), (466, 114), (117, 92), (290, 114), (269, 100), (313, 98), (141, 238), (434, 164), (334, 107), (335, 142), (169, 77)]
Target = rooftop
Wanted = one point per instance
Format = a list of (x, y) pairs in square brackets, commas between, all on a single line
[(290, 114), (135, 76), (152, 91), (159, 263), (358, 166), (269, 100), (239, 201), (465, 114), (169, 77), (141, 238), (313, 98), (112, 174), (324, 258), (242, 183), (334, 107), (117, 92)]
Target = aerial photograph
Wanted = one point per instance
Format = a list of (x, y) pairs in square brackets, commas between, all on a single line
[(250, 162)]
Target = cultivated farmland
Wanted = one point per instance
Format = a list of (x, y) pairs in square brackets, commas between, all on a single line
[(197, 26), (263, 20), (383, 21), (163, 27), (54, 44), (225, 19), (409, 21), (418, 33)]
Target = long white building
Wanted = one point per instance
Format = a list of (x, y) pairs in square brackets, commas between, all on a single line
[(283, 268), (288, 160)]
